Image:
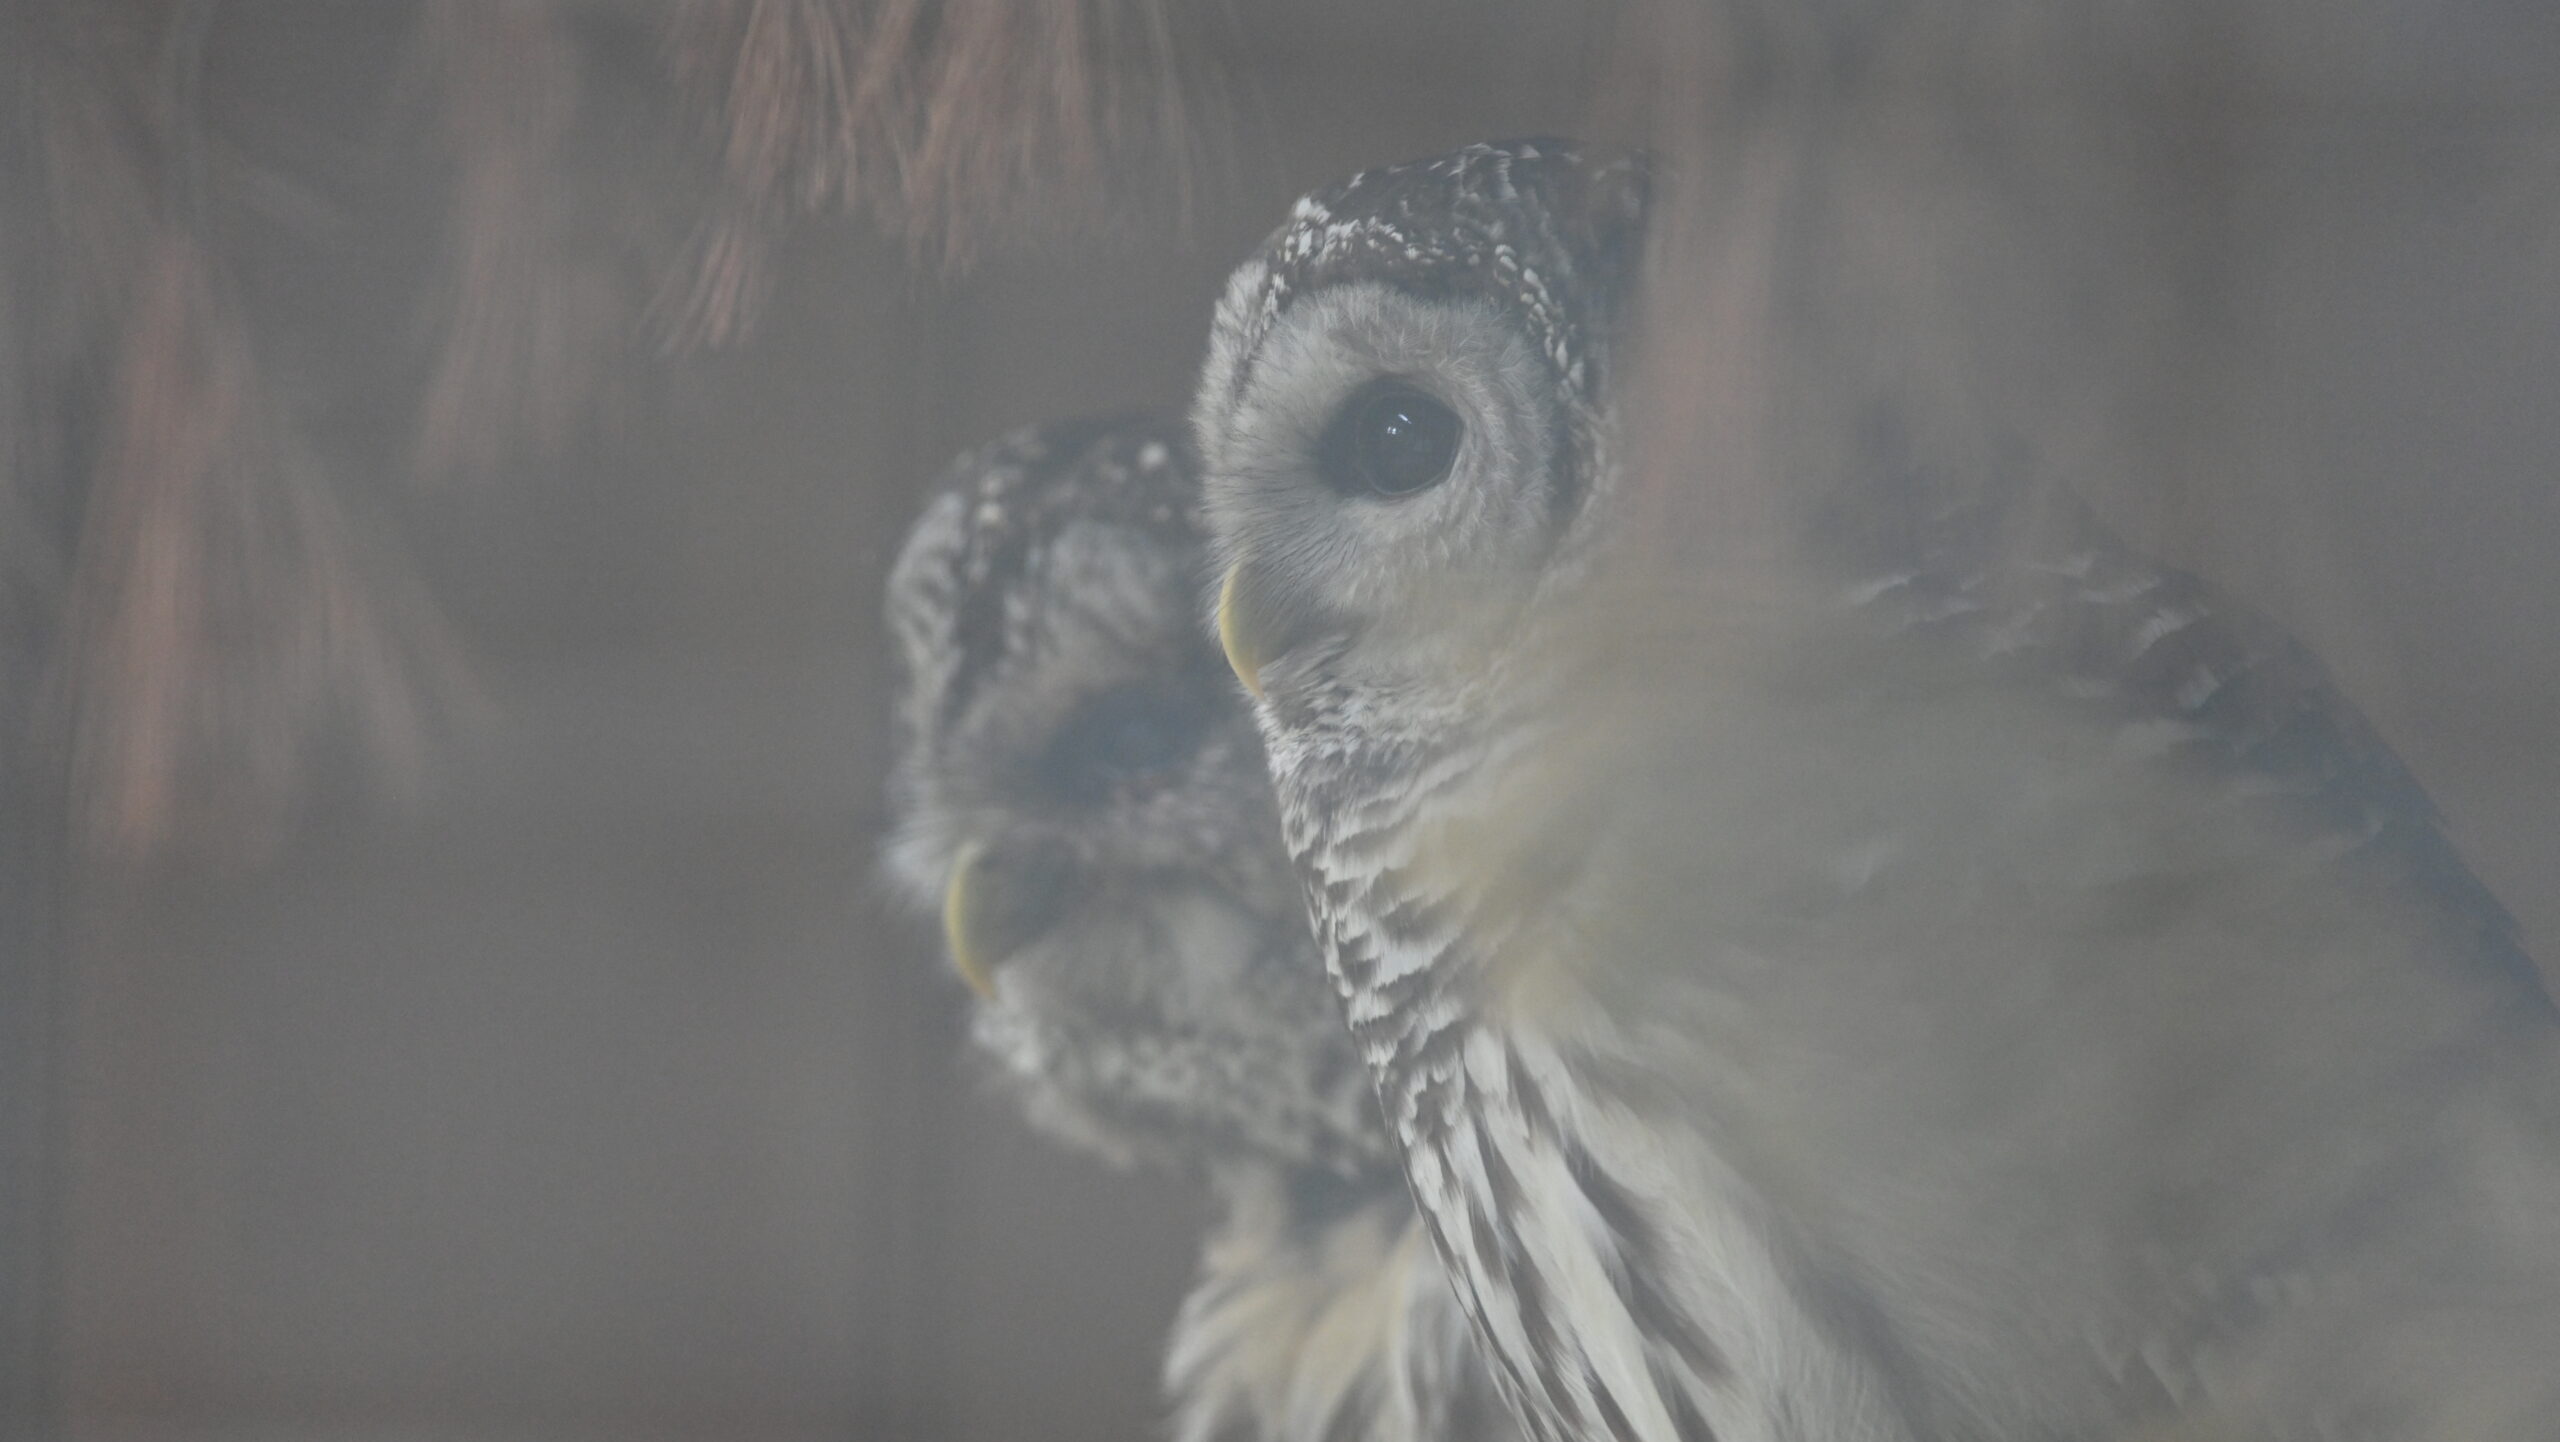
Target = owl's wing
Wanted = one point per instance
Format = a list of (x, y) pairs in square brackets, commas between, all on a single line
[(2124, 1043)]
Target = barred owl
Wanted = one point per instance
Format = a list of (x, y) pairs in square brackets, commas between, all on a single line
[(1990, 987), (1082, 797)]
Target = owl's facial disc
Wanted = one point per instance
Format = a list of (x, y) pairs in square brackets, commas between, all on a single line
[(1389, 441), (1386, 482)]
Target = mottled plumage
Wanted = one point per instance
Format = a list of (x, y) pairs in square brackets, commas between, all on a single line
[(1983, 986), (1081, 792)]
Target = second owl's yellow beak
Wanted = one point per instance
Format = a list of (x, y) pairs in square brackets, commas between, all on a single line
[(1235, 633), (1003, 896), (962, 939)]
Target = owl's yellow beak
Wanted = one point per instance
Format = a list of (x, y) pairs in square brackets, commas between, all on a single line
[(1235, 633), (963, 927), (1002, 897)]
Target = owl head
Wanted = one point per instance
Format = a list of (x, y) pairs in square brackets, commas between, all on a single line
[(1405, 415), (1079, 794)]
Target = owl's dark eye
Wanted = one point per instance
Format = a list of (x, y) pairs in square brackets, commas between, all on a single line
[(1390, 440), (1124, 734)]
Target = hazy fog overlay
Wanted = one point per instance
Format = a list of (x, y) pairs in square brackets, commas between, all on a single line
[(450, 452)]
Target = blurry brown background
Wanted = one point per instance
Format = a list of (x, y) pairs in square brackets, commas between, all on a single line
[(583, 1088)]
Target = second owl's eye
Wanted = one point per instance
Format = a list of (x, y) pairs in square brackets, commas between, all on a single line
[(1390, 440), (1122, 735)]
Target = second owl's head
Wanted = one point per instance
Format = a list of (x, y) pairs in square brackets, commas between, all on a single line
[(1404, 416), (1082, 798)]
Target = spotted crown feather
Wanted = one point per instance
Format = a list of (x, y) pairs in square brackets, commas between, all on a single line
[(992, 506)]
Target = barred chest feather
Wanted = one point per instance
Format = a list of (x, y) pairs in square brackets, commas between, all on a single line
[(1629, 1287), (1622, 1279)]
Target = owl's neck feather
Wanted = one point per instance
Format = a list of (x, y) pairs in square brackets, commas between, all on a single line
[(1324, 1319)]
